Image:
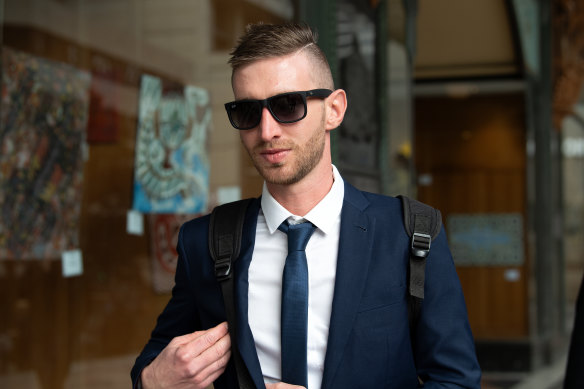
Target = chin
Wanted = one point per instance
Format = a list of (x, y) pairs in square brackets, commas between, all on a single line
[(276, 178), (283, 178)]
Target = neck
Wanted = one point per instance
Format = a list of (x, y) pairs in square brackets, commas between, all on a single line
[(301, 197)]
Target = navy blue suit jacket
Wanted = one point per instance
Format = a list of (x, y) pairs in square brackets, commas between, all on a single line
[(369, 343)]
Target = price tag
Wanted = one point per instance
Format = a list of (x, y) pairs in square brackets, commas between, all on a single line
[(72, 261), (135, 223), (512, 275)]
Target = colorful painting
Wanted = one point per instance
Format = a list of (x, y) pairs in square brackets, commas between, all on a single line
[(42, 135), (164, 229), (171, 165)]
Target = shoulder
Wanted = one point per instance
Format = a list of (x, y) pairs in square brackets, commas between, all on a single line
[(373, 202), (381, 208), (199, 226), (364, 200)]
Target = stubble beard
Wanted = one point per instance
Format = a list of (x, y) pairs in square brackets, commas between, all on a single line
[(307, 156)]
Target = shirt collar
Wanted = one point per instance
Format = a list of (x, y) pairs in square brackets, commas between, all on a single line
[(324, 215)]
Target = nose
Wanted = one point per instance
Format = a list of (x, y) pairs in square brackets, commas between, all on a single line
[(269, 128)]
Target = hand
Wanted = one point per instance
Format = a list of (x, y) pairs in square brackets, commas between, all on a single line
[(190, 361), (281, 385)]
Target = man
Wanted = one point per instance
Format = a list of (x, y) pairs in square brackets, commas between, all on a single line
[(357, 331)]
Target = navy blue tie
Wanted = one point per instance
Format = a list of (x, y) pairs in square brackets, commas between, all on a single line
[(295, 304)]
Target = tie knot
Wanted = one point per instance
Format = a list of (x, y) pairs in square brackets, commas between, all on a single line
[(298, 234)]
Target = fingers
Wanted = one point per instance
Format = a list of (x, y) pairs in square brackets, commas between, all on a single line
[(209, 374), (194, 360), (211, 335), (216, 339), (217, 355), (204, 368), (204, 353), (195, 343)]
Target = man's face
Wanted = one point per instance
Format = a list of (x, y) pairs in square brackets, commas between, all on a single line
[(282, 153)]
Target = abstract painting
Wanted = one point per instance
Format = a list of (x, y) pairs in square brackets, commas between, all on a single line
[(42, 134)]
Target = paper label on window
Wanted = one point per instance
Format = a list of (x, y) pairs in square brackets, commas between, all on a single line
[(72, 261), (135, 223)]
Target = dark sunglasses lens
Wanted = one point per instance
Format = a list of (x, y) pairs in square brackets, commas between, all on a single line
[(245, 114), (288, 108)]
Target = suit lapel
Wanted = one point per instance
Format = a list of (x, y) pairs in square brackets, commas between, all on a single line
[(245, 340), (355, 245)]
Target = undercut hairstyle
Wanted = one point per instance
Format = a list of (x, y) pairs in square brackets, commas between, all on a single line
[(263, 41)]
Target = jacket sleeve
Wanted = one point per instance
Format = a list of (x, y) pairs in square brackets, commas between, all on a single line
[(444, 346), (179, 317)]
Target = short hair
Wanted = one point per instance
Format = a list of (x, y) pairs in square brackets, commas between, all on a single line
[(262, 41)]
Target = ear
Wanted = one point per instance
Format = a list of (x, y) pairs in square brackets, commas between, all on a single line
[(336, 105)]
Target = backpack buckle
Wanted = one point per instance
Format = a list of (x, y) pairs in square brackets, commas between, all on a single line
[(420, 244), (223, 268)]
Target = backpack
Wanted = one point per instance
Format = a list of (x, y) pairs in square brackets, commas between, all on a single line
[(422, 224)]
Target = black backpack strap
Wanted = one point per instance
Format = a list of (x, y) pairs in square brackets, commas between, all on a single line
[(225, 231), (423, 224)]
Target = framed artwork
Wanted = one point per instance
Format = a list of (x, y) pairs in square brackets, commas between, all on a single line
[(171, 166), (42, 135)]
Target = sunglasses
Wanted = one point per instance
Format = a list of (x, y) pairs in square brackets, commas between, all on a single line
[(285, 108)]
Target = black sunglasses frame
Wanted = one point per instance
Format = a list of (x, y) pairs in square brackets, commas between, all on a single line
[(316, 93)]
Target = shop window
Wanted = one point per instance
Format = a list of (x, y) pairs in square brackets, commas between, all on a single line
[(99, 100)]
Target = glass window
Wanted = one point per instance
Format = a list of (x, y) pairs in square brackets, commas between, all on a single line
[(108, 107)]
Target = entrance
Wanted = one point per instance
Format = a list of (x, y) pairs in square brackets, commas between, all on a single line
[(471, 164)]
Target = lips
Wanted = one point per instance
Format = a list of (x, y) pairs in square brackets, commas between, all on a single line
[(274, 156)]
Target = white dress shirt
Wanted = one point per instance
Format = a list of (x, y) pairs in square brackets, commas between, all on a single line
[(265, 279)]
